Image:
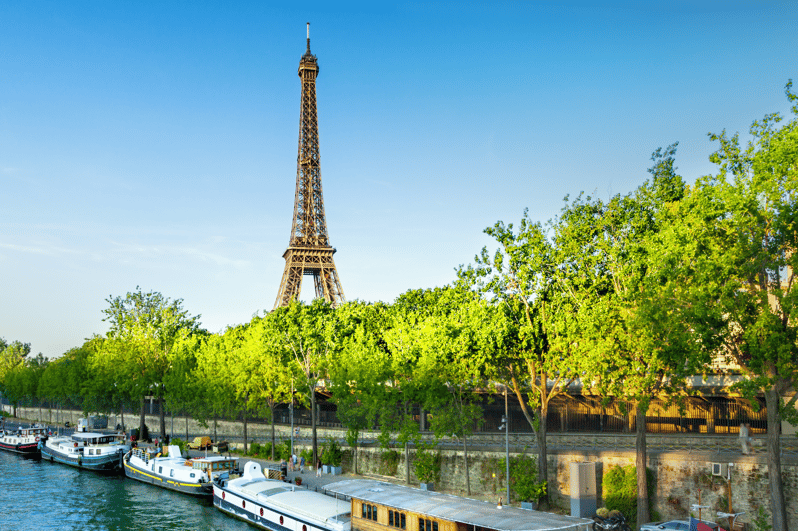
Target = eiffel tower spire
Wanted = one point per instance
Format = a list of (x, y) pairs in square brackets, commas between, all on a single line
[(309, 251)]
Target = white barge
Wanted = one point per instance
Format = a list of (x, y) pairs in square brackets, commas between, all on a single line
[(279, 506), (23, 441), (174, 472), (94, 451)]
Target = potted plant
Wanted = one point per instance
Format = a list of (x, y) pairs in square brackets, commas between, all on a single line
[(524, 481), (427, 465), (331, 457), (298, 480)]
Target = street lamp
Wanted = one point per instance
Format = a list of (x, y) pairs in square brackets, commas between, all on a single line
[(506, 427)]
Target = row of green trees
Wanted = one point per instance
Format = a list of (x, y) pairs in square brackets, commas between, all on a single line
[(629, 297)]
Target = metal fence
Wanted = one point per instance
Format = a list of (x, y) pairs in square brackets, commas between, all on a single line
[(713, 415)]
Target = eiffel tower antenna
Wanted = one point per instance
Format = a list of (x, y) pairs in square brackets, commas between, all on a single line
[(309, 251)]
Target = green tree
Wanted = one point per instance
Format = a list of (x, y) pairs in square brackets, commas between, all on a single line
[(637, 350), (456, 347), (306, 335), (542, 297), (360, 367), (13, 362), (735, 249), (143, 330)]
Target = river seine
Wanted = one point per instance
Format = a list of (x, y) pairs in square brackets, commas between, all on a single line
[(39, 495)]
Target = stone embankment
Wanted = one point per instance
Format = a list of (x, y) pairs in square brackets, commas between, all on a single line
[(682, 464)]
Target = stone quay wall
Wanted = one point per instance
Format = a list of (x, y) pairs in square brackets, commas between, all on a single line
[(681, 467)]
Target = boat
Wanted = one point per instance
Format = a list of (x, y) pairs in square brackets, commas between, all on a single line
[(23, 441), (381, 506), (174, 472), (90, 450), (276, 505)]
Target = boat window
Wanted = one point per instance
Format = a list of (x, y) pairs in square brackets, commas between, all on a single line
[(160, 469), (172, 474), (397, 519), (427, 525), (193, 474)]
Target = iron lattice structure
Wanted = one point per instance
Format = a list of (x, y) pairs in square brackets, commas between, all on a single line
[(309, 251)]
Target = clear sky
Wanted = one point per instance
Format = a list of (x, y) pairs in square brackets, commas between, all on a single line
[(154, 144)]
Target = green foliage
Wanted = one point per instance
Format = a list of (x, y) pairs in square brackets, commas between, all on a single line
[(389, 462), (427, 465), (307, 453), (180, 443), (762, 520), (523, 478), (331, 453), (620, 491)]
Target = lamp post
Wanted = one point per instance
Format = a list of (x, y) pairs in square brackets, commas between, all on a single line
[(506, 427)]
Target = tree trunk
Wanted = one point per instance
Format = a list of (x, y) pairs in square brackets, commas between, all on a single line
[(274, 439), (122, 416), (355, 456), (215, 423), (245, 431), (315, 442), (407, 463), (777, 506), (162, 416), (142, 418), (187, 439), (465, 461), (543, 453), (640, 464)]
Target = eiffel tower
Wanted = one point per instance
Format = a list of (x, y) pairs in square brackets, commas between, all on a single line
[(309, 251)]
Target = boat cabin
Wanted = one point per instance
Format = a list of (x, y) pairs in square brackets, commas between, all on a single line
[(91, 438), (381, 506), (213, 465)]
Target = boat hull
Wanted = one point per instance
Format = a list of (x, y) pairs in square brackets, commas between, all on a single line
[(101, 463), (204, 490), (26, 450)]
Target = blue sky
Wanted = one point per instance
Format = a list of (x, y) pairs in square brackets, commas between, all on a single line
[(154, 144)]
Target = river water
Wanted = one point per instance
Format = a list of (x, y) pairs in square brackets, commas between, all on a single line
[(40, 495)]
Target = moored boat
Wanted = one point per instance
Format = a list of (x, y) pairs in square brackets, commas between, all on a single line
[(272, 504), (90, 450), (174, 472), (23, 441)]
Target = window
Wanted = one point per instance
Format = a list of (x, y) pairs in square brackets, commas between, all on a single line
[(427, 525), (193, 474), (172, 474), (370, 511), (160, 470), (397, 519)]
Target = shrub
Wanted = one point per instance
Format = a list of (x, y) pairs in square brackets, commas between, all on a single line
[(332, 455), (523, 477), (180, 443), (389, 462), (307, 453), (282, 450), (427, 465), (620, 491)]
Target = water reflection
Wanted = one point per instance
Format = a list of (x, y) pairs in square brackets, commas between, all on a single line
[(43, 495)]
